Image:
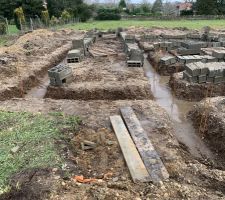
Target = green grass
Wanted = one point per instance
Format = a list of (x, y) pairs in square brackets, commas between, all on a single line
[(195, 24), (13, 29), (3, 40), (35, 134)]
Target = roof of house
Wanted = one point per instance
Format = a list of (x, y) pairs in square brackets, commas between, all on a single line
[(184, 6)]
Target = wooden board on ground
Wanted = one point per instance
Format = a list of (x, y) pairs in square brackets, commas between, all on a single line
[(136, 166), (150, 157)]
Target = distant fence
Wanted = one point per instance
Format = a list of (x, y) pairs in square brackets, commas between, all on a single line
[(35, 23), (173, 17)]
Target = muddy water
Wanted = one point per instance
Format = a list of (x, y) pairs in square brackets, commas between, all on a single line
[(177, 110), (40, 90)]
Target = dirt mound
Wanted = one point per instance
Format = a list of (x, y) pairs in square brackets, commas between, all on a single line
[(208, 117), (111, 90)]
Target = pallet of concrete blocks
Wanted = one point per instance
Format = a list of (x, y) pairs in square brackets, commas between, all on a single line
[(174, 36), (194, 44), (168, 60), (204, 72), (195, 58), (60, 75)]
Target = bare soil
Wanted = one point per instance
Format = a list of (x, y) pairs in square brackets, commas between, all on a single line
[(30, 57), (182, 89), (106, 76), (189, 179), (102, 81), (208, 117)]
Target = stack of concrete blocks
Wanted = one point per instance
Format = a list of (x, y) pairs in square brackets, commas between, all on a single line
[(196, 58), (135, 57), (77, 53), (174, 36), (60, 75), (163, 45), (149, 37), (219, 54), (205, 72), (194, 36), (168, 60), (191, 47)]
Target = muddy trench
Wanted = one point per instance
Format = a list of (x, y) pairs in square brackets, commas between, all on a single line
[(177, 110)]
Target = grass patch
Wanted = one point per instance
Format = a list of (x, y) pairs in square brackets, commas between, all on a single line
[(3, 41), (191, 24), (35, 134), (13, 29)]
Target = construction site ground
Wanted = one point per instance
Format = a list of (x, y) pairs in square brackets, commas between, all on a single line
[(102, 85)]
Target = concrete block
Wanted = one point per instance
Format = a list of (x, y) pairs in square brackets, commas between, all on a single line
[(78, 44), (209, 79), (59, 74), (184, 51), (190, 78), (167, 60), (219, 54), (193, 69), (218, 79), (202, 79)]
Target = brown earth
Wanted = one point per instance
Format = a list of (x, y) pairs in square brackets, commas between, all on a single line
[(164, 70), (104, 77), (189, 179), (29, 58), (208, 117), (194, 91)]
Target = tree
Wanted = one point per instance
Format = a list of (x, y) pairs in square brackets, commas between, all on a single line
[(221, 7), (19, 17), (122, 4), (157, 7), (206, 7)]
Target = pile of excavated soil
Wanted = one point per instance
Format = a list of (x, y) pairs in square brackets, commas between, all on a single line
[(110, 90), (188, 178), (194, 91), (208, 117), (164, 70), (29, 57), (102, 78)]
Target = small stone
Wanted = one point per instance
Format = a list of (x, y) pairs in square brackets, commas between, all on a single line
[(115, 179), (54, 169), (57, 177), (123, 178), (15, 149), (63, 183)]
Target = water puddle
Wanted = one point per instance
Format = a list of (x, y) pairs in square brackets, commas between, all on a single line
[(40, 90), (177, 110)]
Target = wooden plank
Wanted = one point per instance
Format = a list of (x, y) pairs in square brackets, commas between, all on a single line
[(150, 157), (136, 166)]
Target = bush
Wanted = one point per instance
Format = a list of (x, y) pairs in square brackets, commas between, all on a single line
[(186, 12), (108, 14), (3, 28)]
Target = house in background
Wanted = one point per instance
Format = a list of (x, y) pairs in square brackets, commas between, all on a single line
[(183, 7)]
